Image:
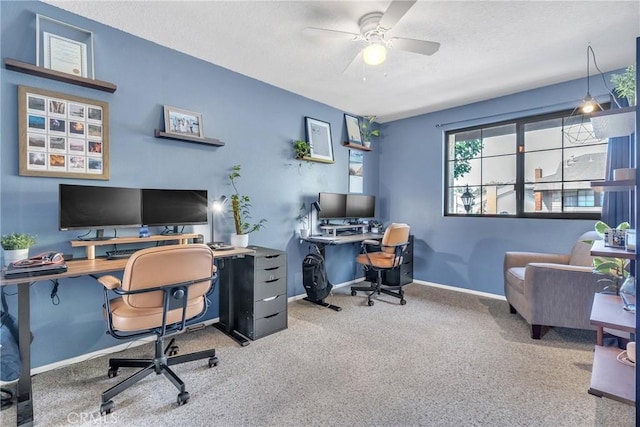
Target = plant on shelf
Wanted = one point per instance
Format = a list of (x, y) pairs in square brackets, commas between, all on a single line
[(626, 84), (366, 126), (617, 269), (301, 148), (240, 207)]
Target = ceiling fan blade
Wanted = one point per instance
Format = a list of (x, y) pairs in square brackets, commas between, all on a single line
[(423, 47), (395, 12), (326, 33), (356, 60)]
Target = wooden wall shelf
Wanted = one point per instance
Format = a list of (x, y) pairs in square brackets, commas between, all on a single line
[(34, 70), (620, 185), (205, 141), (311, 159), (356, 146), (599, 249)]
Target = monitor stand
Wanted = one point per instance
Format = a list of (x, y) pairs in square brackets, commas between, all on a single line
[(171, 230), (100, 236)]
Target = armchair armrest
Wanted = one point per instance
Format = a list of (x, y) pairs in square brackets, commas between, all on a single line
[(109, 282), (521, 259)]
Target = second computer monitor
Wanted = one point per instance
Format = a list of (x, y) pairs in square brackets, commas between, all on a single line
[(360, 206)]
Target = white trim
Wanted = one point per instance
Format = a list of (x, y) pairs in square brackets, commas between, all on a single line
[(463, 290)]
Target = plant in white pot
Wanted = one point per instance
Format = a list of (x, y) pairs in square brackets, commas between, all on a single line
[(303, 219), (240, 207), (16, 246), (367, 130)]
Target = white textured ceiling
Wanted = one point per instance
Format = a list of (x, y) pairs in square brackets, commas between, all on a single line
[(488, 48)]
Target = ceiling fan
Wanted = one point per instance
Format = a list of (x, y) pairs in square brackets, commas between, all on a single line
[(373, 30)]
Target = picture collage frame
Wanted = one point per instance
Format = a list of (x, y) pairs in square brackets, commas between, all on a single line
[(62, 135)]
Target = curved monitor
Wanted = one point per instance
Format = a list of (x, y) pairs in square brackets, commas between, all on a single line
[(87, 206)]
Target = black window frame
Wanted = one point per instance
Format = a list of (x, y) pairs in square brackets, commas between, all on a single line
[(520, 170)]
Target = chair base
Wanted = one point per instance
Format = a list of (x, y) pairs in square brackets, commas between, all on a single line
[(158, 365), (378, 289)]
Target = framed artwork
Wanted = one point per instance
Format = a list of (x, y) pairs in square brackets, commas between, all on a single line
[(356, 171), (182, 122), (64, 47), (319, 137), (353, 129), (62, 135)]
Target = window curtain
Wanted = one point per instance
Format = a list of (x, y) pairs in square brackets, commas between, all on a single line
[(617, 206)]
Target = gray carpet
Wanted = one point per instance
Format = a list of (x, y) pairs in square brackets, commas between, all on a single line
[(444, 359)]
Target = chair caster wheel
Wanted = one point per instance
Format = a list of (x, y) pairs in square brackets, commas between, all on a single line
[(370, 303), (183, 398), (113, 372), (403, 302), (353, 293), (107, 407), (173, 350), (213, 361)]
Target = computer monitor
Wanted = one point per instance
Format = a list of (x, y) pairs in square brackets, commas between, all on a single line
[(332, 205), (173, 208), (94, 207), (361, 206)]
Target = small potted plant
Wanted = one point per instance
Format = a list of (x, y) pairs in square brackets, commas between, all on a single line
[(301, 149), (303, 219), (366, 126), (240, 207), (16, 246), (625, 84)]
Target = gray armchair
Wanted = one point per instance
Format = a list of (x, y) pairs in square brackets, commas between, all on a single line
[(552, 289)]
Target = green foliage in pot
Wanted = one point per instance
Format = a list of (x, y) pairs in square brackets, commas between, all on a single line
[(366, 127), (626, 84), (301, 148), (240, 207), (303, 216), (616, 269), (15, 241)]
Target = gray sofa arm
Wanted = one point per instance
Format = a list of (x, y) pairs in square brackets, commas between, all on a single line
[(521, 259), (561, 295)]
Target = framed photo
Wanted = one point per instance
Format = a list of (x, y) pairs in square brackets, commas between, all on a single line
[(64, 47), (182, 122), (353, 129), (62, 135), (319, 137)]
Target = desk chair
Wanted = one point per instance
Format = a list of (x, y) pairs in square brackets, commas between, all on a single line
[(162, 288), (387, 256)]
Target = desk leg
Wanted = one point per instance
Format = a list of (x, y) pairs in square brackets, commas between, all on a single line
[(25, 403), (227, 311)]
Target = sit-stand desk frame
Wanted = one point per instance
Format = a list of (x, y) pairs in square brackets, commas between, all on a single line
[(322, 241), (75, 268)]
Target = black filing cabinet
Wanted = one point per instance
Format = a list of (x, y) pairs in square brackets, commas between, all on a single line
[(398, 276), (261, 292)]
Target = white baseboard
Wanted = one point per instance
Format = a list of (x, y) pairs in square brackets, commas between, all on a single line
[(139, 342)]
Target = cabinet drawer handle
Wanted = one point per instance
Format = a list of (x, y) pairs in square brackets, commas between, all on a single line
[(272, 279), (271, 268), (270, 298), (271, 315), (272, 256)]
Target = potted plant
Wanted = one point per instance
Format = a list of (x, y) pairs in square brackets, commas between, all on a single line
[(616, 269), (303, 219), (301, 148), (16, 246), (625, 84), (366, 126), (240, 206)]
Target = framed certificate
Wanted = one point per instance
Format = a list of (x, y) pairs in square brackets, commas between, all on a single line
[(64, 47)]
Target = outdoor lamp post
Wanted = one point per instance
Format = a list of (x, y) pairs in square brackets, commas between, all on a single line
[(467, 199)]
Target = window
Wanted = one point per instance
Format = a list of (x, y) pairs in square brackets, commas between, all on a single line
[(538, 166)]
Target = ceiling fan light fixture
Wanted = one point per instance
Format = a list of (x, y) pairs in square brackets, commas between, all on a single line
[(374, 54)]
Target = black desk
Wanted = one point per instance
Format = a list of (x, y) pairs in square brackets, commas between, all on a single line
[(81, 267)]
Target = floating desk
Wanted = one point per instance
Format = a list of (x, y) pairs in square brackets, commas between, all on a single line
[(75, 268)]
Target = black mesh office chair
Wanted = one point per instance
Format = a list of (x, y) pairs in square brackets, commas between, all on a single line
[(384, 256), (162, 289)]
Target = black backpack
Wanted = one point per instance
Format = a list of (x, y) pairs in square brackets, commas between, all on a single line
[(314, 277)]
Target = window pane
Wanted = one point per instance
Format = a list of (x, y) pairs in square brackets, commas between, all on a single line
[(543, 166), (469, 172), (585, 163), (543, 198), (499, 140), (499, 170), (578, 131), (456, 205), (543, 135), (499, 200)]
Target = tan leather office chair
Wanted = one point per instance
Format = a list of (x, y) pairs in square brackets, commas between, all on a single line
[(162, 289), (388, 256)]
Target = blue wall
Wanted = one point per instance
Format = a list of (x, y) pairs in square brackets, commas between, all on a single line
[(257, 122)]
